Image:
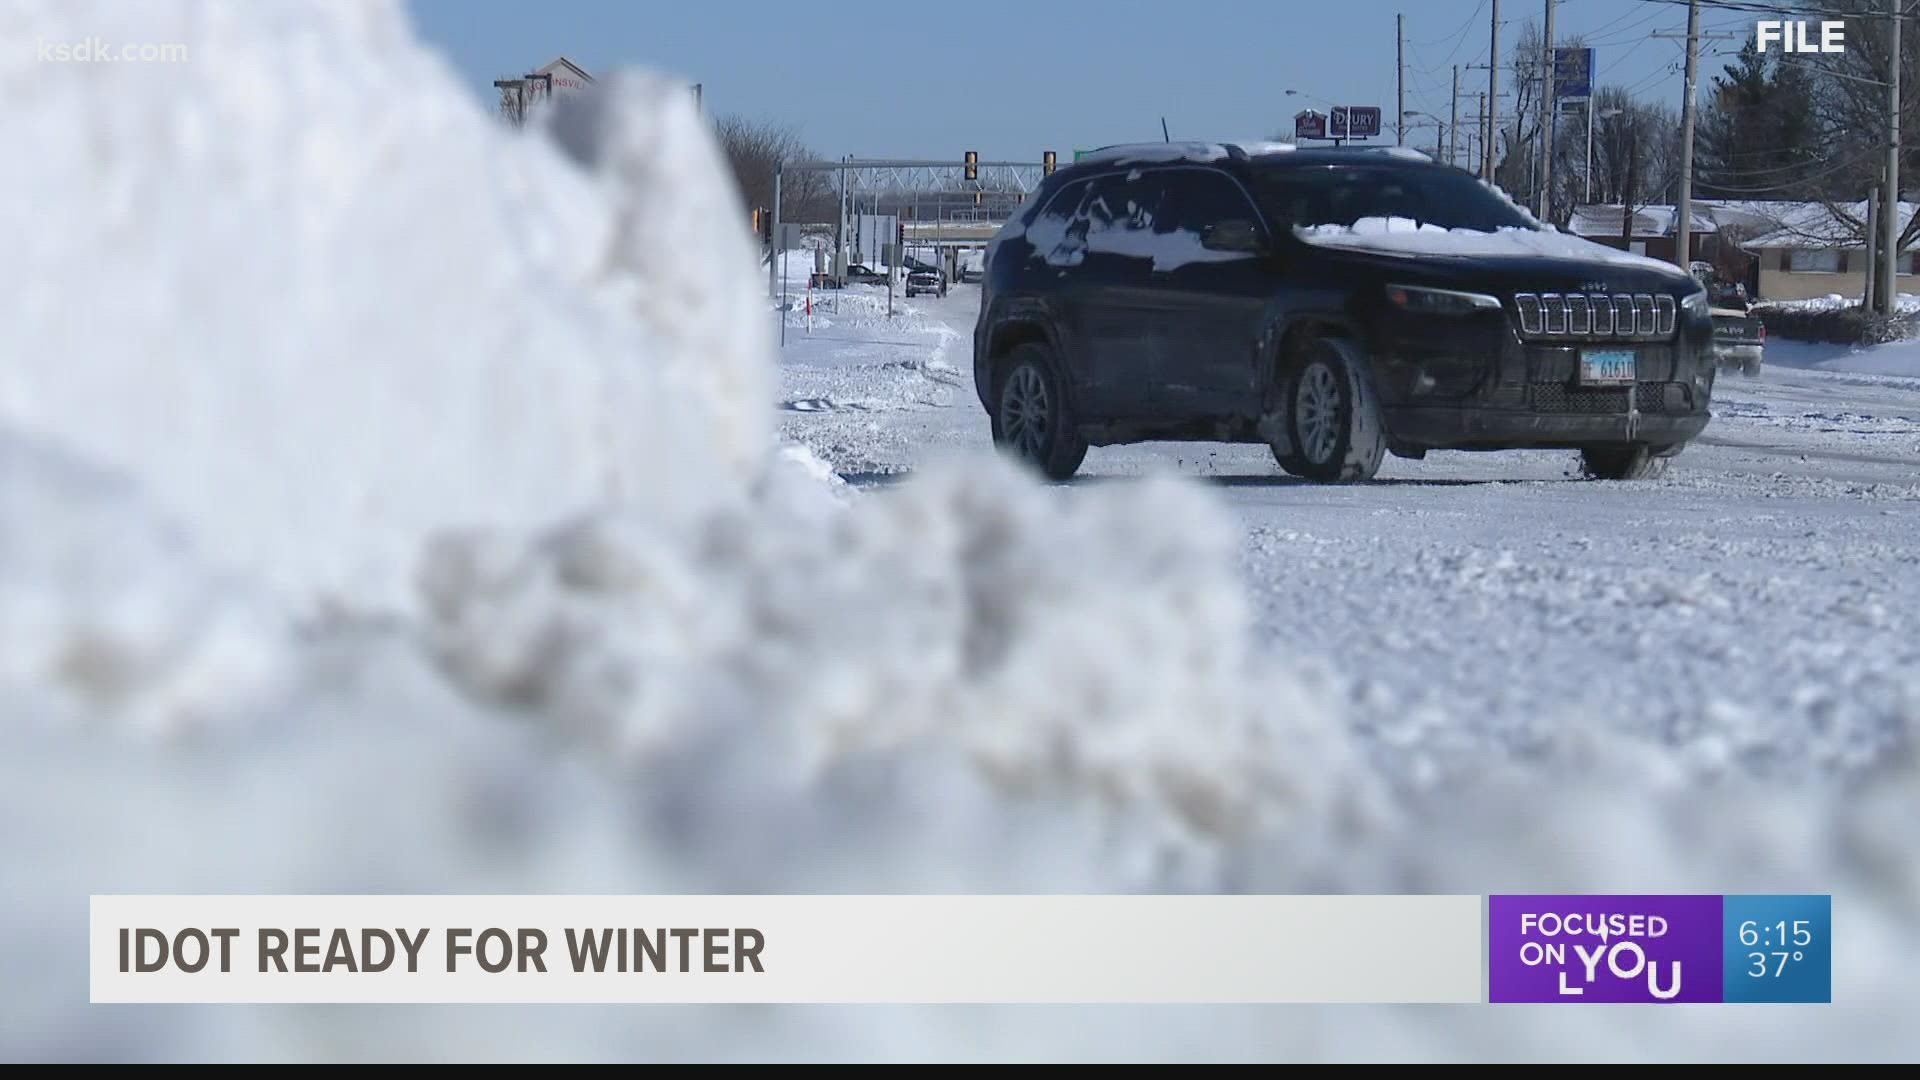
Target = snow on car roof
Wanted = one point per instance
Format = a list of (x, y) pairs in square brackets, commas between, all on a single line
[(1130, 153), (1127, 153)]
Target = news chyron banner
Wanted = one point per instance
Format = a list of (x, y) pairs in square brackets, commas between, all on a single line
[(959, 949)]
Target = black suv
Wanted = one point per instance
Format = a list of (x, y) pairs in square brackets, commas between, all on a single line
[(1335, 304)]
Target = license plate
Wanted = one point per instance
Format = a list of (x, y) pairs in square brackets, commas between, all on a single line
[(1606, 368)]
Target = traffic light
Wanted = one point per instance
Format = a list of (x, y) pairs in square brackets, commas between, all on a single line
[(900, 233), (973, 165), (1047, 161)]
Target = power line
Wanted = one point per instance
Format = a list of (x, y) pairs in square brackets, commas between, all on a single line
[(1456, 36), (1799, 181), (1791, 9), (1752, 173)]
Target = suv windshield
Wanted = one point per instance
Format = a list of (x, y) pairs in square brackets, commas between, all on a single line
[(1307, 195)]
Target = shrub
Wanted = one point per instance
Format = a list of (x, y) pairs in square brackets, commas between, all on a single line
[(1848, 325)]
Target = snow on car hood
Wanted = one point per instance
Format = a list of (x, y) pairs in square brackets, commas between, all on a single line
[(1406, 237)]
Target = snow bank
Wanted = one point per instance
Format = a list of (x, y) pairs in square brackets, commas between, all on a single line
[(647, 652), (108, 617), (335, 319), (1404, 236)]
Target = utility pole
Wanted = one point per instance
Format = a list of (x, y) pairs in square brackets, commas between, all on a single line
[(1683, 212), (1626, 195), (839, 231), (1890, 204), (1549, 119), (1400, 80), (1485, 173), (1493, 92), (1453, 121), (1870, 296)]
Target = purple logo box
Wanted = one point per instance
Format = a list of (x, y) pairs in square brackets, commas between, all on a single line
[(1643, 949)]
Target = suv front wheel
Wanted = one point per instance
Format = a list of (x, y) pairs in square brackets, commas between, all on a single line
[(1331, 419), (1031, 416)]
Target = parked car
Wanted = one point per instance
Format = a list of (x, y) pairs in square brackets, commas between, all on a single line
[(1335, 304), (925, 279)]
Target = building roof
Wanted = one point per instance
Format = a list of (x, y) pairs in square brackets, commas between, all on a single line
[(1709, 216), (1771, 224), (562, 68), (1814, 225)]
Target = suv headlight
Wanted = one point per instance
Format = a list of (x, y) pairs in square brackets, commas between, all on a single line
[(1421, 300), (1696, 305)]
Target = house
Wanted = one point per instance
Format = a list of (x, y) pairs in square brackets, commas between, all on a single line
[(1781, 250), (566, 76), (1812, 252), (559, 77), (1718, 227)]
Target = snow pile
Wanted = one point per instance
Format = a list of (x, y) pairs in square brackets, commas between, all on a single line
[(1836, 302), (1404, 236), (108, 617), (415, 321), (933, 615)]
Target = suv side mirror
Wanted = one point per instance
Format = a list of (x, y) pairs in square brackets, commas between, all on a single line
[(1233, 234)]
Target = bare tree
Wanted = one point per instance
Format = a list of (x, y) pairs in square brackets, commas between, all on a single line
[(1850, 107), (754, 149), (1634, 149)]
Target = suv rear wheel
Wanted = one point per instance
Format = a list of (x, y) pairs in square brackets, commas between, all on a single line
[(1031, 416), (1330, 417), (1636, 462)]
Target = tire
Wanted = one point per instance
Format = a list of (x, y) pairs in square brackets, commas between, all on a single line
[(1031, 415), (1334, 434), (1636, 462), (1750, 368)]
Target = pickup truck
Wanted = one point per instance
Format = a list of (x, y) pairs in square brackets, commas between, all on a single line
[(857, 274), (1739, 339)]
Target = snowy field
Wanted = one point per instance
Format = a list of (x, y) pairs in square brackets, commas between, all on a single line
[(527, 565)]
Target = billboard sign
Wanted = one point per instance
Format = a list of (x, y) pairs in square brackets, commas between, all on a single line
[(1354, 122), (1309, 125), (1572, 73)]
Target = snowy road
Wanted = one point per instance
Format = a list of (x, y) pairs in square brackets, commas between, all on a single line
[(1754, 608)]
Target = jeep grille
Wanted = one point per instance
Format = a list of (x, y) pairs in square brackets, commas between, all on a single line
[(1637, 316)]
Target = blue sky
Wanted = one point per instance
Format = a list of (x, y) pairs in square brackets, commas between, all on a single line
[(1013, 79)]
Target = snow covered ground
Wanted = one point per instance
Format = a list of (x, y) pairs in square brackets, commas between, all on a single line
[(525, 566), (1893, 358), (1749, 610)]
